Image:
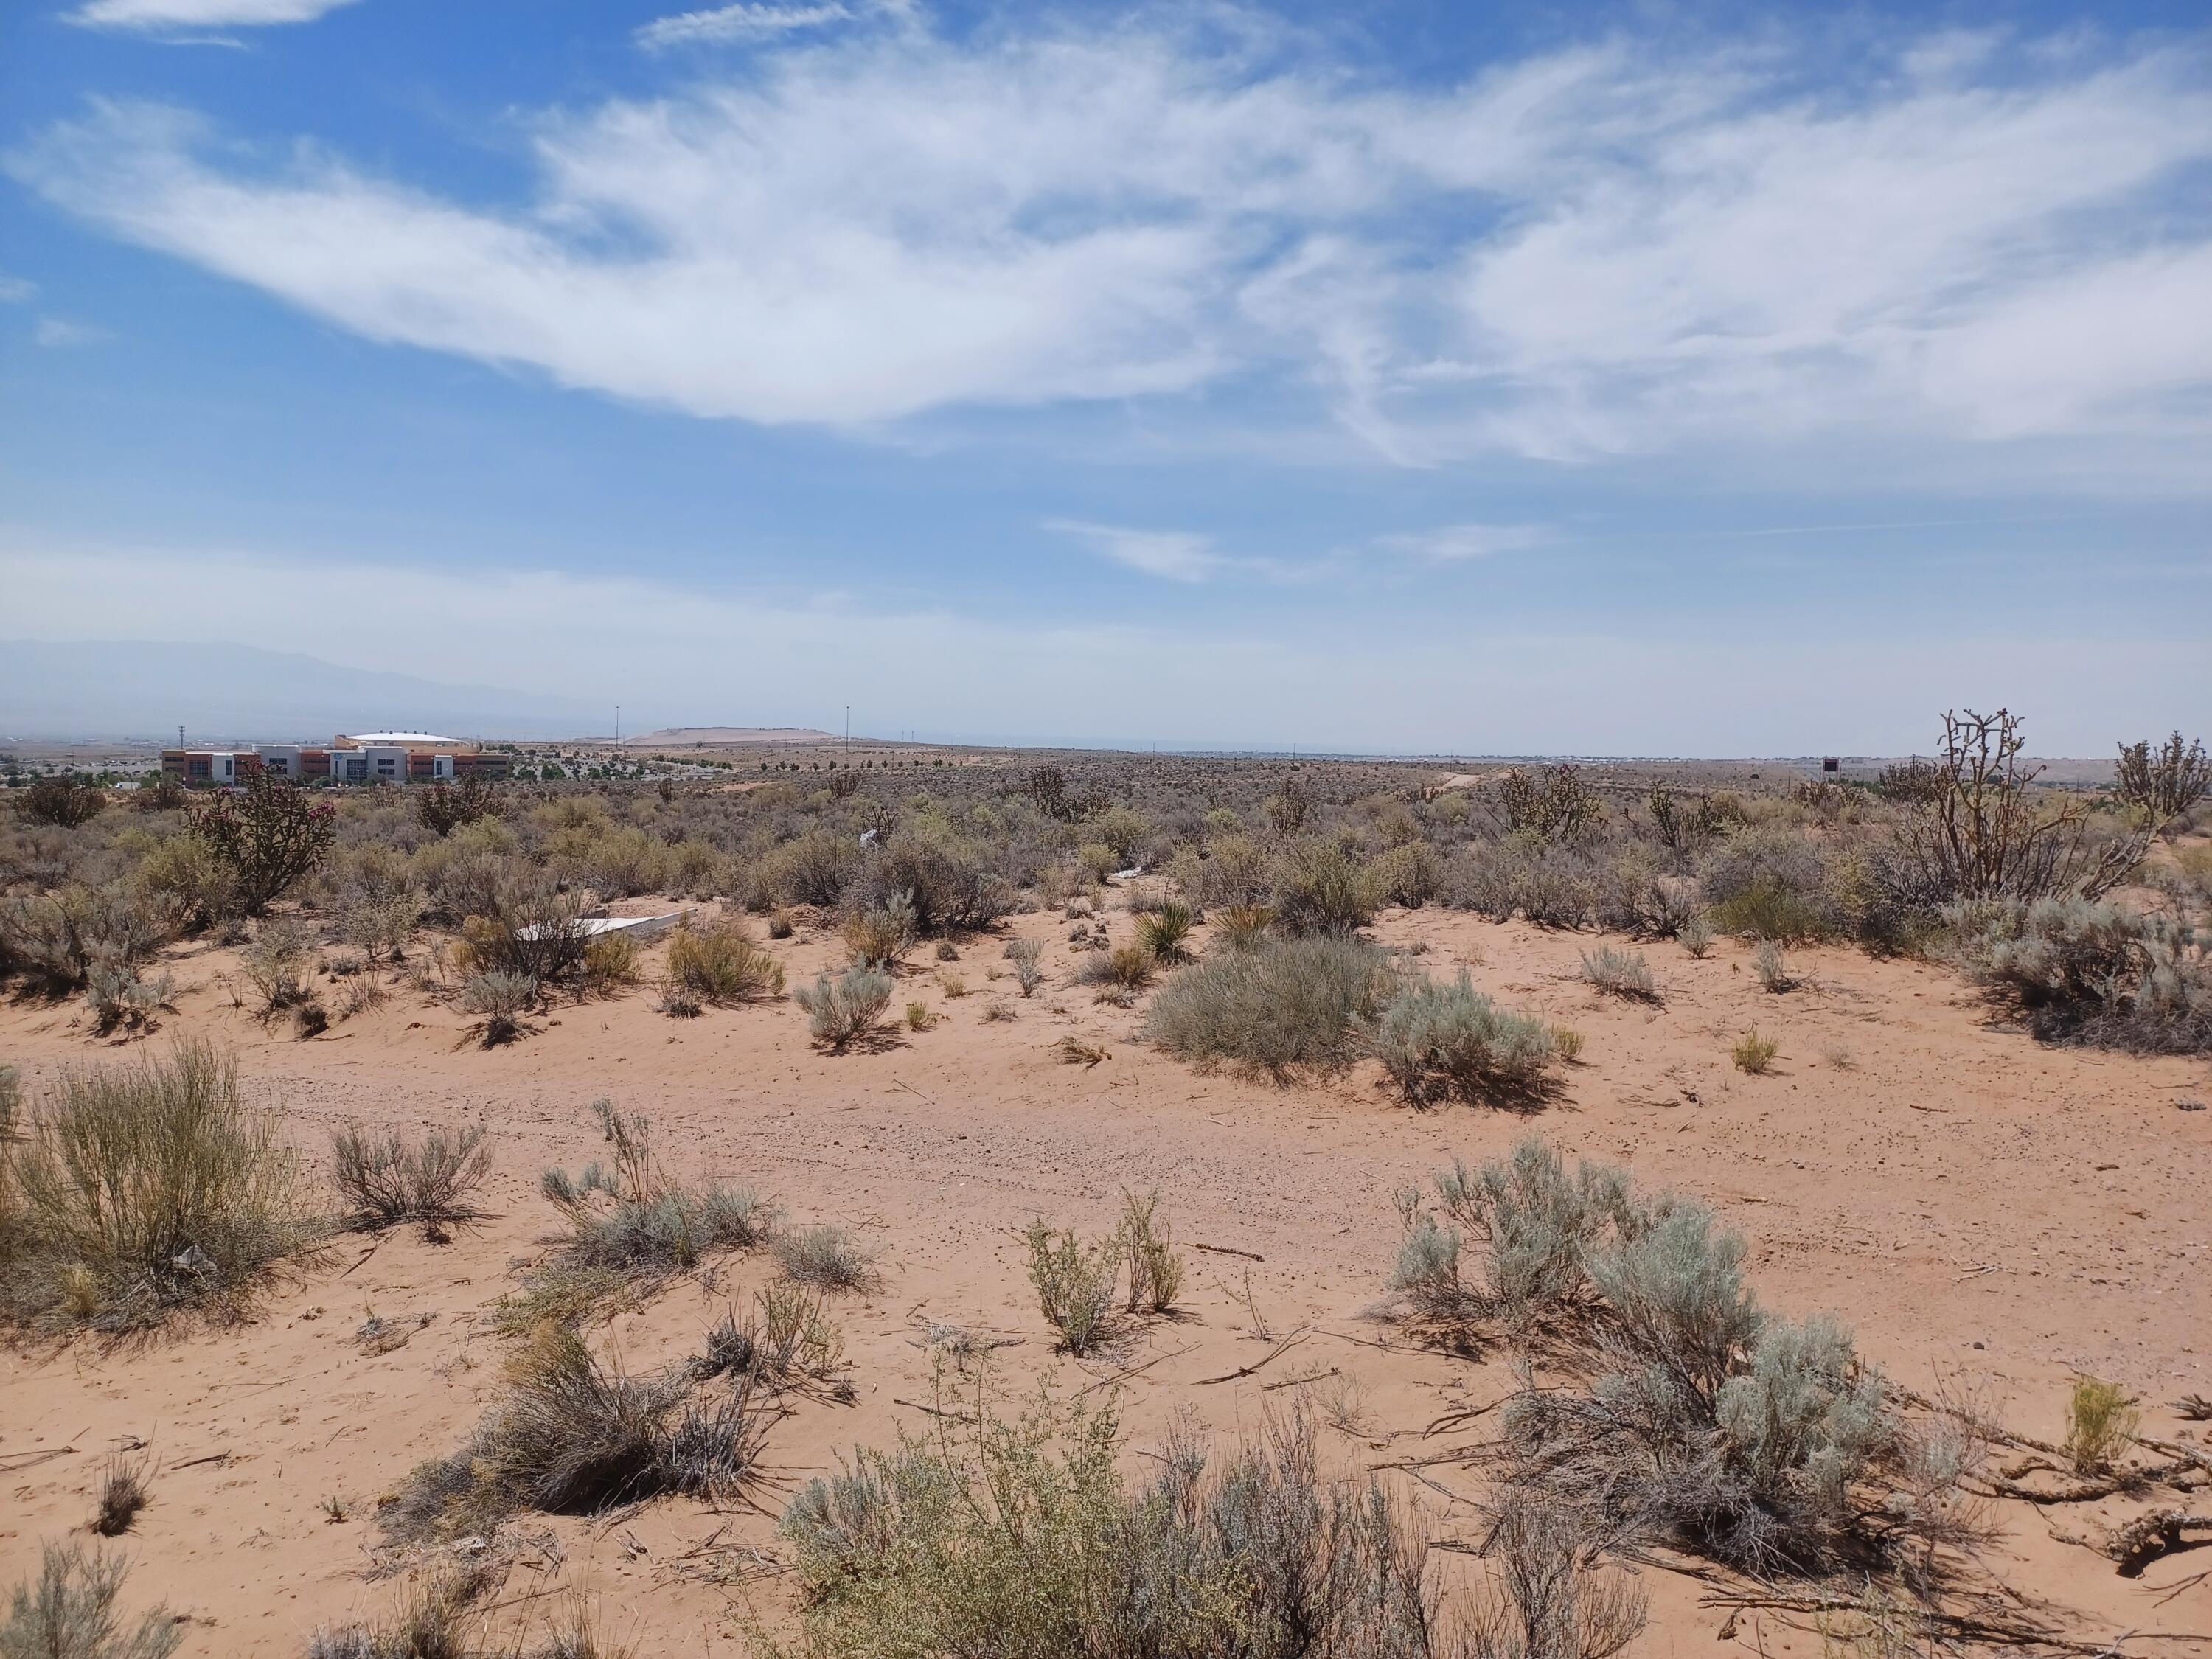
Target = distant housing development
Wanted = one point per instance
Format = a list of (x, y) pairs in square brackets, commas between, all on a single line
[(369, 757)]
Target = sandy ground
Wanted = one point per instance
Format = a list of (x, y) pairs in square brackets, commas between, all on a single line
[(1989, 1214)]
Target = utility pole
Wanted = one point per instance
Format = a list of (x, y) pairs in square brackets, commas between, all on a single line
[(848, 722), (618, 722)]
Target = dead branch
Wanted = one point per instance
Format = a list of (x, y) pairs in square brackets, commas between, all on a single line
[(1273, 1354)]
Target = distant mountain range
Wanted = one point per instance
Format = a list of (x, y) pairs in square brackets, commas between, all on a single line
[(220, 692)]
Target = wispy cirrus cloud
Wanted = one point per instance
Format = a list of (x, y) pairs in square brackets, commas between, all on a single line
[(168, 15), (1452, 544), (748, 21), (17, 290), (1614, 249), (60, 334), (1177, 556)]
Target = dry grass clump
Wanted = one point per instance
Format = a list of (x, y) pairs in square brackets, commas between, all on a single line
[(1116, 976), (2100, 1421), (828, 1258), (1448, 1042), (388, 1182), (1013, 1538), (69, 1612), (572, 1436), (1753, 1055), (1623, 973), (1277, 1006), (843, 1010), (1700, 1419), (721, 964), (126, 1484), (1027, 957), (142, 1189), (1148, 1255)]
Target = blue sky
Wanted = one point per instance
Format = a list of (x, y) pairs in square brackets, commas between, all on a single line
[(1622, 380)]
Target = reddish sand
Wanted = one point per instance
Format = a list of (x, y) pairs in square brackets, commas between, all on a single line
[(1989, 1214)]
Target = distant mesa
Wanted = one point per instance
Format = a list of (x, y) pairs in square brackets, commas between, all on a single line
[(701, 737)]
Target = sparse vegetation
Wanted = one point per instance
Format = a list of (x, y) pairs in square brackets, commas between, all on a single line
[(1151, 1266), (1116, 976), (1771, 968)]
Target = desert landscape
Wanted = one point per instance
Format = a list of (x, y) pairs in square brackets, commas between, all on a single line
[(1009, 1203)]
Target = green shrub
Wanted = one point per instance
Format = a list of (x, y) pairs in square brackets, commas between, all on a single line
[(1027, 957), (1278, 1005), (1164, 934), (142, 1189), (878, 936), (720, 963), (1448, 1042), (1321, 887), (61, 938), (1147, 1244), (1074, 1283), (842, 1011), (1009, 1540), (2101, 1423), (629, 1224), (502, 998)]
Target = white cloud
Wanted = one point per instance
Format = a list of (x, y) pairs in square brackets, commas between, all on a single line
[(17, 290), (60, 334), (1615, 249), (1177, 555), (693, 657), (725, 25), (199, 14), (1454, 543)]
